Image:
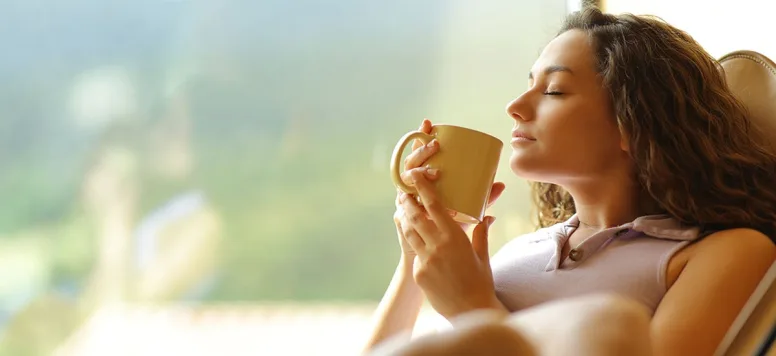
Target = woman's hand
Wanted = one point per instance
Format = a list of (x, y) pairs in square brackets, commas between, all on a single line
[(414, 162), (453, 272)]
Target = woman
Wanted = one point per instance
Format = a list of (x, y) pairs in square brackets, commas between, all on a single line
[(649, 184)]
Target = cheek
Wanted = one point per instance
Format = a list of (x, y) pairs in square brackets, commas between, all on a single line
[(593, 139), (573, 139), (582, 125)]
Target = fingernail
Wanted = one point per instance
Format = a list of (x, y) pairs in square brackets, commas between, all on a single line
[(432, 144), (402, 197), (491, 220), (432, 171)]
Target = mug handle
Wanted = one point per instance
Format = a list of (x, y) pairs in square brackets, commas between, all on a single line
[(396, 167)]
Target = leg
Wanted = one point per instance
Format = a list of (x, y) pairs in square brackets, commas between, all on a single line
[(478, 337), (590, 325)]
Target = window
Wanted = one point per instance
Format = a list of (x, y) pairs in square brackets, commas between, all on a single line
[(719, 26), (169, 159)]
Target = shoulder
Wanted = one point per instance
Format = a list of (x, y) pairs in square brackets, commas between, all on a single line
[(721, 272), (740, 244)]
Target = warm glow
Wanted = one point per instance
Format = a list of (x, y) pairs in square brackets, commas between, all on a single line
[(720, 26)]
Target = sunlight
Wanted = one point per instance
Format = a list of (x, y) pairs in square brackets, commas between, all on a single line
[(719, 26), (102, 95)]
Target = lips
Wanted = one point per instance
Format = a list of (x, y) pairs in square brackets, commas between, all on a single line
[(519, 134)]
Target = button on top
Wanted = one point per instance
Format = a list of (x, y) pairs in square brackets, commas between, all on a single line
[(575, 255)]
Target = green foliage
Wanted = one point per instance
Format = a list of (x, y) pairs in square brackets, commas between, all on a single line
[(293, 108)]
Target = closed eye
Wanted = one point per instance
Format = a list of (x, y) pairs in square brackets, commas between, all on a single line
[(553, 93)]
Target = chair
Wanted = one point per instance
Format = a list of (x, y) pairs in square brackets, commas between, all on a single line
[(752, 78)]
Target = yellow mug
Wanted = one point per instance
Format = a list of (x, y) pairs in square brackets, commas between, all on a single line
[(467, 160)]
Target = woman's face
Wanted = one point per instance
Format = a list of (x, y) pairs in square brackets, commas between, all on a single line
[(566, 118)]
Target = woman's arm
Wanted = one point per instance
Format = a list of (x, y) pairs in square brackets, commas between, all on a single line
[(721, 273), (399, 308)]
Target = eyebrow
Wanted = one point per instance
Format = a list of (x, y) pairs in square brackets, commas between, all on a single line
[(552, 69)]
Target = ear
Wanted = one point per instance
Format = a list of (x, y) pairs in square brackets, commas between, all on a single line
[(624, 145), (624, 142)]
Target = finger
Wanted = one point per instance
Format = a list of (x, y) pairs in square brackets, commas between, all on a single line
[(416, 216), (411, 236), (418, 156), (398, 214), (495, 192), (480, 238), (425, 127), (431, 202), (429, 173)]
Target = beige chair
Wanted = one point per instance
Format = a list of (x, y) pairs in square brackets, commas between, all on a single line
[(752, 77)]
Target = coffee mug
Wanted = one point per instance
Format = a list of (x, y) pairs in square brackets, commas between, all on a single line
[(467, 161)]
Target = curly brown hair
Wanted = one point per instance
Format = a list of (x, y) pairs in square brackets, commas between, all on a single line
[(696, 155)]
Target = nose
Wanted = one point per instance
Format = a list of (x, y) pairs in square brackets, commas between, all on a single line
[(519, 108)]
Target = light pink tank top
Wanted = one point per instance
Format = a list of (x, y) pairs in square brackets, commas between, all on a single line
[(629, 260)]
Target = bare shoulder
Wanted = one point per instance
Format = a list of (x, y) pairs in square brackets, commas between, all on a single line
[(719, 274), (741, 243), (730, 246)]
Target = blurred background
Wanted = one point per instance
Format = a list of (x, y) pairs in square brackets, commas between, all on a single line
[(203, 176)]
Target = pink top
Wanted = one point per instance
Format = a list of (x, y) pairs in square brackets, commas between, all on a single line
[(629, 260)]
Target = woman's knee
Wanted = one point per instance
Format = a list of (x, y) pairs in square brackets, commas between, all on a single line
[(477, 339), (600, 324), (613, 309), (610, 325), (490, 339)]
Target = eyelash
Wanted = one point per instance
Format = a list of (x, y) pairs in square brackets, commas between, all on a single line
[(553, 93)]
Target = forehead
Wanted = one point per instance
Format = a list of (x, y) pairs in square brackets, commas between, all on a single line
[(571, 49)]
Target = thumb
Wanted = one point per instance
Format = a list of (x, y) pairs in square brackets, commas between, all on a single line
[(480, 238)]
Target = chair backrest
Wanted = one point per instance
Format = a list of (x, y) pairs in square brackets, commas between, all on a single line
[(752, 78)]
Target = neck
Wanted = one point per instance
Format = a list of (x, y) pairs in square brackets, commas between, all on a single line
[(605, 202)]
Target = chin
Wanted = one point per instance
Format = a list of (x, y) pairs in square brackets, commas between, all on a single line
[(525, 166), (534, 168)]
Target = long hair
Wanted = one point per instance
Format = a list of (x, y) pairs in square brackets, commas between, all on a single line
[(696, 156)]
